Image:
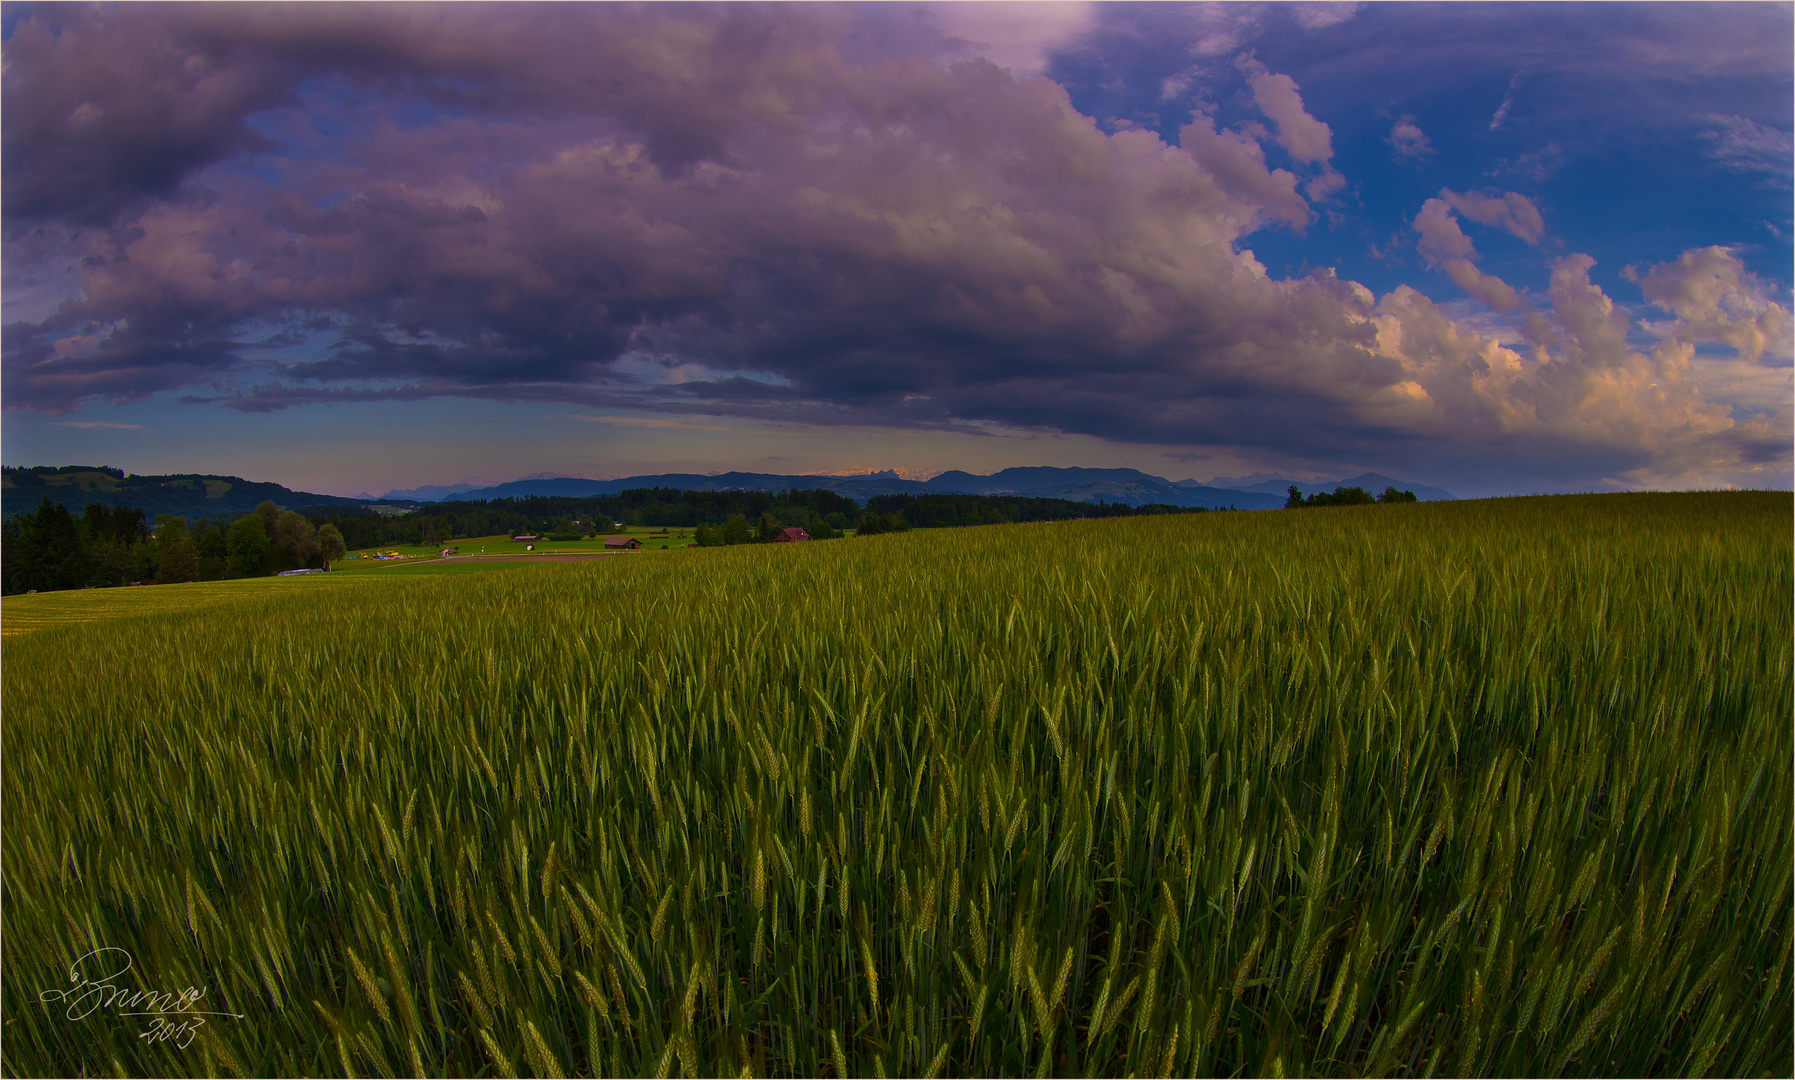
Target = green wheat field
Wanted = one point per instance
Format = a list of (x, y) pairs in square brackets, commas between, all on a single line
[(1494, 788)]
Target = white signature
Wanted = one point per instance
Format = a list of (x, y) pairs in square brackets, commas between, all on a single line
[(93, 986)]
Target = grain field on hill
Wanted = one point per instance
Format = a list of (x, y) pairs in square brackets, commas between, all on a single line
[(1477, 789)]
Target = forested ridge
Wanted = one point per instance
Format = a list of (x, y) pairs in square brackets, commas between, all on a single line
[(189, 495)]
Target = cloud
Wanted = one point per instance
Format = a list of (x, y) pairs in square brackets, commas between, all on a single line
[(1714, 298), (1743, 144), (1641, 417), (1236, 164), (1215, 30), (900, 263), (1017, 36), (1325, 186), (1446, 248), (1307, 139), (1508, 100), (91, 425), (1509, 210), (1317, 16), (86, 136), (756, 213), (107, 107), (641, 422), (1409, 140)]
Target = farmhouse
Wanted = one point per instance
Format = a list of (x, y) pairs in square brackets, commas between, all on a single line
[(613, 543), (525, 539), (790, 535)]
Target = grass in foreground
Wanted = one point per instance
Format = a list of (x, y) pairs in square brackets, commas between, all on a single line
[(80, 607), (1492, 788)]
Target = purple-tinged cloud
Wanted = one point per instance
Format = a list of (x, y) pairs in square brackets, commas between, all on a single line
[(1409, 141), (1644, 414), (1307, 139), (1237, 165), (1509, 210), (1446, 248), (756, 212), (1714, 298), (1508, 100), (1320, 14), (1738, 142)]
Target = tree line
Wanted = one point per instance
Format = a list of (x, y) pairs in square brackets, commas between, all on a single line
[(737, 531), (51, 549), (574, 517), (938, 510), (820, 513), (1346, 496)]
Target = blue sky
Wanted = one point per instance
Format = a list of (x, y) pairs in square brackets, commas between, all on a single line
[(1496, 248)]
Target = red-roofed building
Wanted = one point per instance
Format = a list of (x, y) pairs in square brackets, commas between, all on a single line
[(787, 536), (629, 543)]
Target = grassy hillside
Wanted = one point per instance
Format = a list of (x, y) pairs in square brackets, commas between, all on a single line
[(1488, 788)]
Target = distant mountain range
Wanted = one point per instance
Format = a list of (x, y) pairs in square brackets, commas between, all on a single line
[(427, 493), (1130, 486), (190, 495), (444, 492), (219, 498)]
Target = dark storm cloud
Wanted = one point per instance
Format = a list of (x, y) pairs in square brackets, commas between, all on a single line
[(107, 105), (101, 112), (737, 210)]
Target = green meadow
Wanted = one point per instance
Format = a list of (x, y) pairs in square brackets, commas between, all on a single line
[(1488, 788), (653, 539)]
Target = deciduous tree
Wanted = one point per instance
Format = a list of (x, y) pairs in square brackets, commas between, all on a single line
[(295, 540), (177, 553), (330, 544), (247, 544)]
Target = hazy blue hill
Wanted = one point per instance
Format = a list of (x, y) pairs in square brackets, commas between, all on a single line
[(1027, 479), (859, 487), (190, 495), (573, 487), (1130, 486), (427, 493), (221, 497)]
